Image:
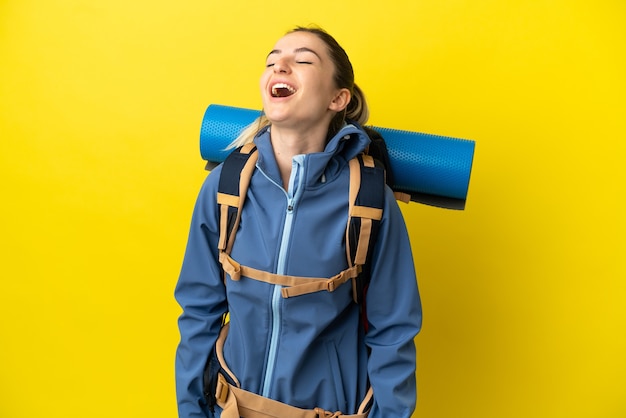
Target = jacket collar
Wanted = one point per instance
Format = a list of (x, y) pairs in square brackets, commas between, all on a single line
[(350, 141)]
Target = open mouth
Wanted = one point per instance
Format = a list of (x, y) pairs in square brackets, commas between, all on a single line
[(282, 90)]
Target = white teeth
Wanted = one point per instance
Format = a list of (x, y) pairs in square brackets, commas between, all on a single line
[(277, 86)]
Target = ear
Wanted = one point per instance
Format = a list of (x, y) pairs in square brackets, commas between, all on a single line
[(340, 101)]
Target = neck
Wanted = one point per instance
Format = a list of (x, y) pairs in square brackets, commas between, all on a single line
[(289, 142)]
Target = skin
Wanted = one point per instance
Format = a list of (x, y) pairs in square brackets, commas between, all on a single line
[(300, 121)]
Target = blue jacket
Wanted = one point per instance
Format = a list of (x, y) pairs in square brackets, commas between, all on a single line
[(307, 351)]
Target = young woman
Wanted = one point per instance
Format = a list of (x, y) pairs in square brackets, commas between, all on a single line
[(311, 351)]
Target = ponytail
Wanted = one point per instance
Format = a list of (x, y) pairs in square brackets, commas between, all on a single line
[(249, 132), (357, 109)]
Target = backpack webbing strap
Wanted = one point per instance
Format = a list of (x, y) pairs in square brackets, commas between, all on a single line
[(219, 352), (236, 402), (293, 285), (234, 181), (365, 213), (402, 197)]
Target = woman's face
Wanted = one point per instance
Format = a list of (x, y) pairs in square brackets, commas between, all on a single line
[(297, 86)]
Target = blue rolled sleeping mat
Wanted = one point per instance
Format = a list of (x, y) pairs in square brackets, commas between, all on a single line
[(432, 169)]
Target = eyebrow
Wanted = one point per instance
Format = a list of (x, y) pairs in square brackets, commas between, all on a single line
[(302, 49)]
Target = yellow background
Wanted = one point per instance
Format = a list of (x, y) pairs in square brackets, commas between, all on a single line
[(101, 104)]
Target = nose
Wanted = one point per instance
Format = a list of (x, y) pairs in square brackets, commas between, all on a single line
[(282, 66)]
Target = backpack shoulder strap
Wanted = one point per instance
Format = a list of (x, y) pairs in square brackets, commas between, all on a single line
[(367, 198), (231, 194)]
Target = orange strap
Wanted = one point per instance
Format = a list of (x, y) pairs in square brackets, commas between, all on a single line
[(226, 200), (365, 213), (294, 285), (402, 197), (237, 402)]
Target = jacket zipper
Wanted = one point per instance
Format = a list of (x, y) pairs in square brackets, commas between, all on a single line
[(293, 191)]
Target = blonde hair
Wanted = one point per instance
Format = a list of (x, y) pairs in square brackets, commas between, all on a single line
[(249, 132), (357, 109)]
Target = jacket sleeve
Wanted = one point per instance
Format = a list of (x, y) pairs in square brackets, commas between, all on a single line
[(394, 315), (202, 296)]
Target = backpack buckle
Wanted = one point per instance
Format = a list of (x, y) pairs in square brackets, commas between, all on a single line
[(326, 414), (222, 389)]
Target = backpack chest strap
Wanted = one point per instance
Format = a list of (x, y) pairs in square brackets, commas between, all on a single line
[(293, 285)]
